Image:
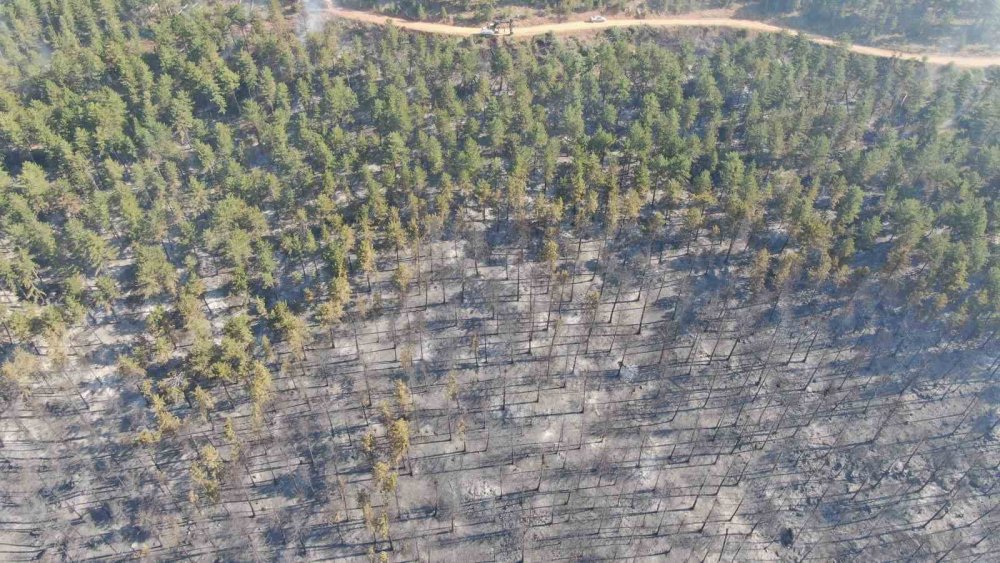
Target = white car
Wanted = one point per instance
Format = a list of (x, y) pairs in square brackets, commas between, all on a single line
[(598, 19), (487, 32)]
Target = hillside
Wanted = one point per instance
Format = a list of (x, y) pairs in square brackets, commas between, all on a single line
[(364, 294)]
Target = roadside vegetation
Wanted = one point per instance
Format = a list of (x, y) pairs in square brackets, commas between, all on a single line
[(928, 23)]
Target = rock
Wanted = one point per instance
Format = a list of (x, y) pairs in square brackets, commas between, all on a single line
[(787, 538)]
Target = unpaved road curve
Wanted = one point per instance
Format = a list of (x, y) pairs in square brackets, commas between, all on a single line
[(965, 61)]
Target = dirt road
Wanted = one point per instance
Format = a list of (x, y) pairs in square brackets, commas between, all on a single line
[(965, 61)]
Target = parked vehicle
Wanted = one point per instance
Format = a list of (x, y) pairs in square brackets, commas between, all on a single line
[(598, 19)]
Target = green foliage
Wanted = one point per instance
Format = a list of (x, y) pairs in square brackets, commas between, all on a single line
[(155, 274)]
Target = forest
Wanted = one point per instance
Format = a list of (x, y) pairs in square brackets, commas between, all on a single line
[(363, 294)]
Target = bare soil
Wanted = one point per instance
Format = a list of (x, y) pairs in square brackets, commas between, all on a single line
[(688, 20)]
